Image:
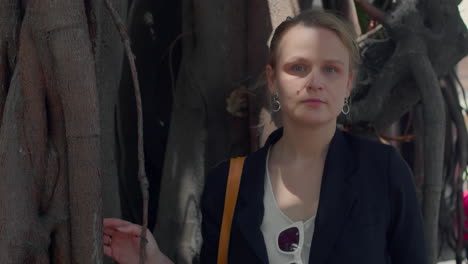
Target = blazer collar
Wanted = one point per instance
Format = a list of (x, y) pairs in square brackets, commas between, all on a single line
[(336, 197)]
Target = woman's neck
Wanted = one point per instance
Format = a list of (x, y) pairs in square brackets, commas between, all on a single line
[(306, 144)]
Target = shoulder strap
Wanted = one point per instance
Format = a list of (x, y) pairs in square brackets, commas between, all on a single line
[(232, 190)]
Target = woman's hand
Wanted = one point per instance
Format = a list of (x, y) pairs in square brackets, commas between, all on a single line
[(122, 243)]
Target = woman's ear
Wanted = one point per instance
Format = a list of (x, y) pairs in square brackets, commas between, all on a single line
[(270, 76), (349, 85)]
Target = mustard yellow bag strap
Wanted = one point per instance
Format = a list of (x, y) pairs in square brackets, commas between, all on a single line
[(232, 190)]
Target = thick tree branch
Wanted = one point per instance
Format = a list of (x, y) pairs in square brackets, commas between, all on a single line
[(141, 155), (386, 80), (399, 102), (69, 71), (434, 123), (397, 19)]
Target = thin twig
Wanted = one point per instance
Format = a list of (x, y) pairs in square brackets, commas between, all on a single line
[(141, 155), (369, 34)]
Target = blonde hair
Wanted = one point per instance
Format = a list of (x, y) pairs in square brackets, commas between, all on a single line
[(322, 19)]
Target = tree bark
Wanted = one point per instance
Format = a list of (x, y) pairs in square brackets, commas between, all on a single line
[(9, 24), (205, 80), (434, 124), (108, 61), (49, 154)]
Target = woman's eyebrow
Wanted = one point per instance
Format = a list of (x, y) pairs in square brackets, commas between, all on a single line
[(332, 61), (295, 59)]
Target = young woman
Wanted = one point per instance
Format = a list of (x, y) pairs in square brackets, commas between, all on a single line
[(312, 194)]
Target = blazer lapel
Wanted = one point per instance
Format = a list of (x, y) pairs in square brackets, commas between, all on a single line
[(337, 197), (250, 209)]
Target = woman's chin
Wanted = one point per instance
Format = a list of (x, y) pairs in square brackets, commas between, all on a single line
[(316, 121), (310, 118)]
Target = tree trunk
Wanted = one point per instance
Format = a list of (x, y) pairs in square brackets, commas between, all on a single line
[(109, 58), (205, 80), (50, 139)]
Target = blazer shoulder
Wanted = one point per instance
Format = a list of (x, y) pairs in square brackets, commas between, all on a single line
[(217, 176), (371, 152), (216, 180), (368, 146)]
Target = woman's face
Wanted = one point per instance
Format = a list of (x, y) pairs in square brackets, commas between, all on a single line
[(312, 75)]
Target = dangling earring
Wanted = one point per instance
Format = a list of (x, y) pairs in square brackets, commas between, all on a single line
[(275, 103), (346, 107)]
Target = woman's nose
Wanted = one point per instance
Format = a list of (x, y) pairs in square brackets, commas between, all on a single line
[(314, 83)]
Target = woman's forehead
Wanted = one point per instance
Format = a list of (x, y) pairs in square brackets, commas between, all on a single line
[(301, 42)]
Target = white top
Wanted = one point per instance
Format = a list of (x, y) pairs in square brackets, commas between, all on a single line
[(275, 221)]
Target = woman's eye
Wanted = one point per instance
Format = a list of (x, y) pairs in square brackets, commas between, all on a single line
[(299, 68), (330, 69)]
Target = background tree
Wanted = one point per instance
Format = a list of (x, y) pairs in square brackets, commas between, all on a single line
[(59, 68)]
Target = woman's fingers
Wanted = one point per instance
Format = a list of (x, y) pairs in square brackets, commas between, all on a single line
[(112, 225), (131, 229), (107, 240), (115, 222), (109, 231), (107, 251)]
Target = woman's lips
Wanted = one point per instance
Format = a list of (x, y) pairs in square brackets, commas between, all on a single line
[(313, 102)]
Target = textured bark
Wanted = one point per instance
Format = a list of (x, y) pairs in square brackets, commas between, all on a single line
[(70, 64), (67, 68), (178, 222), (109, 57), (9, 24), (434, 124), (49, 154), (446, 47), (205, 80)]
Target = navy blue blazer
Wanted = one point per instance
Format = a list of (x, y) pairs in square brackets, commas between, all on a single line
[(368, 211)]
